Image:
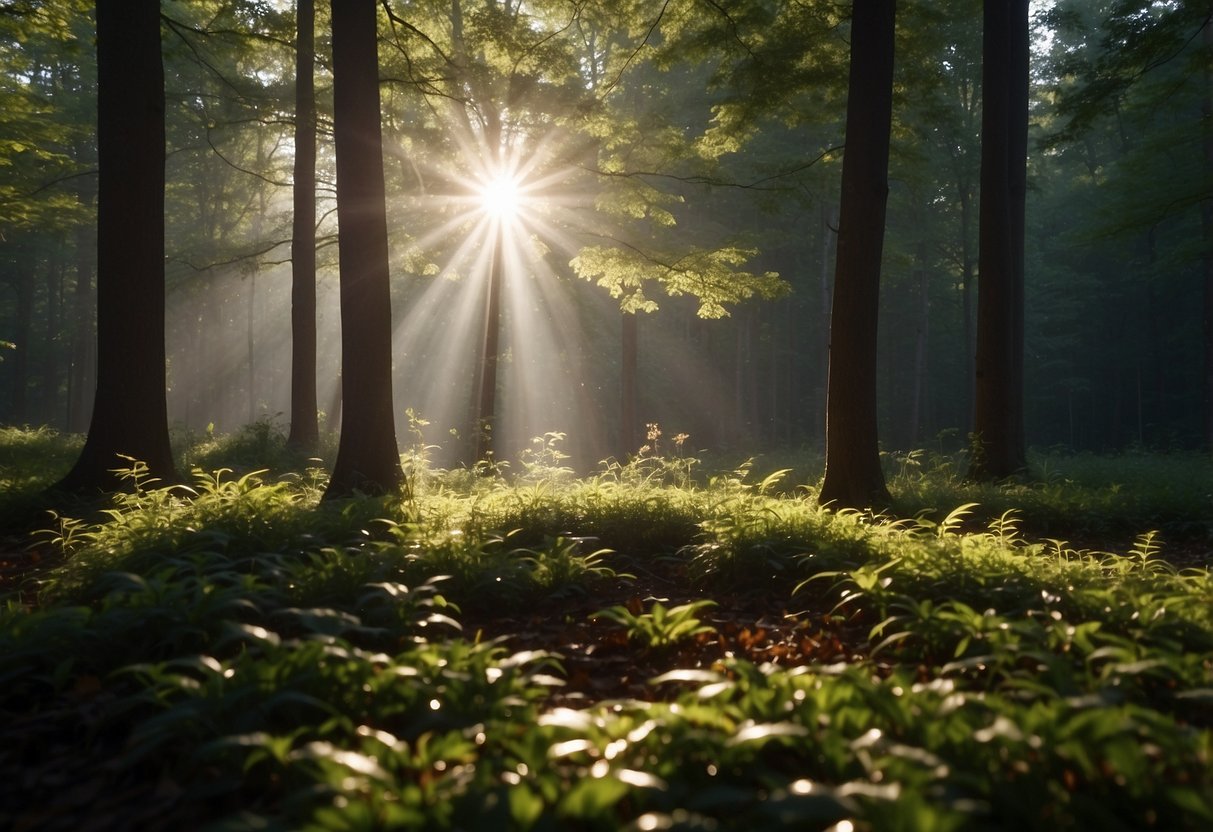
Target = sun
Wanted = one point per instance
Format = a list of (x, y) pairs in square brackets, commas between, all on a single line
[(500, 196)]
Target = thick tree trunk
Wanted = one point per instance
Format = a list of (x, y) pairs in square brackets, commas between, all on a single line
[(130, 412), (368, 459), (998, 440), (853, 476), (305, 428)]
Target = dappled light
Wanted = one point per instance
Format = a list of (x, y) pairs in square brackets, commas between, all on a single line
[(653, 635), (483, 414)]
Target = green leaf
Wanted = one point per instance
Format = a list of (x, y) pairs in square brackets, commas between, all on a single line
[(525, 806), (592, 797)]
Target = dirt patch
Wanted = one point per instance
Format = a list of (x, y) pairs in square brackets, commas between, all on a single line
[(601, 663)]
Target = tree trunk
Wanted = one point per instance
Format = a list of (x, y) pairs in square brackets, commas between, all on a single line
[(998, 441), (966, 306), (368, 459), (853, 477), (629, 347), (23, 284), (829, 234), (920, 348), (81, 378), (49, 385), (486, 396), (305, 428), (744, 395), (1206, 228), (250, 339), (130, 412)]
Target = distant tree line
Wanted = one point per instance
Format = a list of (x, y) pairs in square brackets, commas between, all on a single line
[(992, 230)]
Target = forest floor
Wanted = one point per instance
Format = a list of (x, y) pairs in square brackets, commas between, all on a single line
[(732, 657)]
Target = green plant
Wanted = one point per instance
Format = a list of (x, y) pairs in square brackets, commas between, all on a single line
[(239, 655), (543, 460), (651, 466), (559, 568), (660, 627)]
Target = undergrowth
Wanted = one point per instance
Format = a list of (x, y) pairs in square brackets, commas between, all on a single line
[(234, 654)]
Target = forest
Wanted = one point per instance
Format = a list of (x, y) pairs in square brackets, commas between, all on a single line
[(606, 414)]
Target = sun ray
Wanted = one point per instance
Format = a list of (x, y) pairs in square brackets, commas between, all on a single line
[(497, 215)]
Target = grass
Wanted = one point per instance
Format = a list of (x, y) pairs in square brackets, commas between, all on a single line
[(639, 649)]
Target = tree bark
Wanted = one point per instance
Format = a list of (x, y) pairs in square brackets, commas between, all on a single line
[(853, 477), (130, 412), (368, 459), (629, 344), (49, 385), (486, 393), (250, 344), (305, 428), (921, 337), (998, 436), (80, 379), (1206, 228), (966, 306), (23, 285), (821, 369)]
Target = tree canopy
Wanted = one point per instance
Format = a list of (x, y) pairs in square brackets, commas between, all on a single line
[(678, 159)]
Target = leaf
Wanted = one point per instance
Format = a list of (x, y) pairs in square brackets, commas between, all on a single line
[(592, 797), (360, 763), (1202, 695), (1195, 804), (567, 718), (525, 806), (764, 731), (694, 675), (955, 517), (640, 779)]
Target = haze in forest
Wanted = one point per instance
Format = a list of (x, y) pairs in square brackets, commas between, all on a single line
[(678, 171)]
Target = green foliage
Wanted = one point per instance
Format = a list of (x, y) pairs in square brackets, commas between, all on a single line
[(258, 445), (271, 661), (710, 275), (660, 627), (33, 458)]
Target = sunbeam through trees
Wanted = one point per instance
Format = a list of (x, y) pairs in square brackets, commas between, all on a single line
[(606, 414)]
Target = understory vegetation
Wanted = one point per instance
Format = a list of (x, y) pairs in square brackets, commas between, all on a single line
[(649, 647)]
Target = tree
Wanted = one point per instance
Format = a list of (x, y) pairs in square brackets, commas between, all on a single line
[(47, 219), (305, 432), (853, 477), (1206, 230), (1130, 84), (367, 456), (130, 415), (998, 442)]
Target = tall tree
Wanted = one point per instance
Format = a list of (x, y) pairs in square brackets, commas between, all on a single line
[(130, 415), (305, 432), (853, 476), (629, 370), (367, 455), (998, 445), (1206, 231)]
